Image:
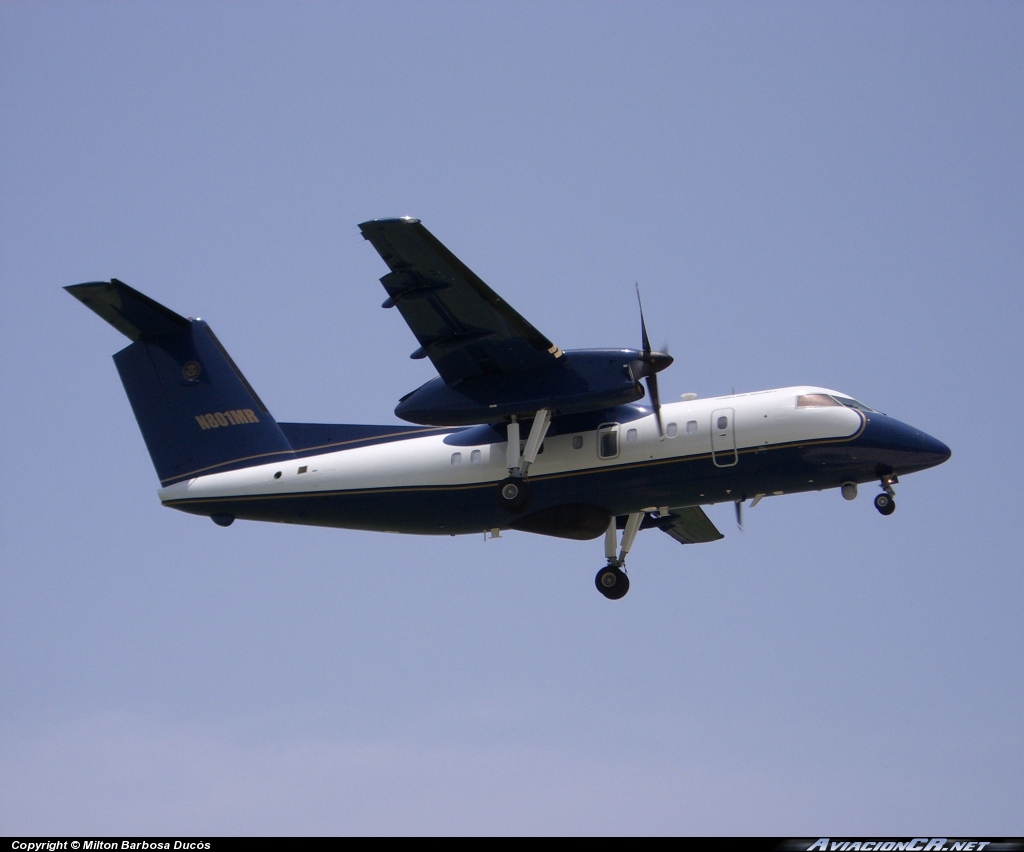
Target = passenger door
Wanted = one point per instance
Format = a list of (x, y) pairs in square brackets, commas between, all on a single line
[(723, 437)]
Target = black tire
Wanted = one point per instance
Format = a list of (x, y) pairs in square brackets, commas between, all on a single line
[(885, 504), (514, 495), (612, 583)]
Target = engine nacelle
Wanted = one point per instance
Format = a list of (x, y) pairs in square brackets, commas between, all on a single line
[(582, 380)]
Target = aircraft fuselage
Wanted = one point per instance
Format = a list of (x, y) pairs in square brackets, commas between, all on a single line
[(593, 467)]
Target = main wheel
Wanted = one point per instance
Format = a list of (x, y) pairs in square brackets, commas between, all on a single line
[(612, 583), (885, 504), (514, 495)]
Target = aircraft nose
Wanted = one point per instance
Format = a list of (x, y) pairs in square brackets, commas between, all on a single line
[(896, 446), (932, 448), (917, 449), (933, 451)]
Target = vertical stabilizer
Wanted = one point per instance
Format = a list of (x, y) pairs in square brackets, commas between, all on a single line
[(197, 412)]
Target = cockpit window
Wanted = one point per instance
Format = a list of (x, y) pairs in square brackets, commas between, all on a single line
[(852, 403), (820, 400), (814, 400)]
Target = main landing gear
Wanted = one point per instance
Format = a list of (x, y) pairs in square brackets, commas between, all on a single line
[(514, 492), (611, 581), (886, 501), (514, 495)]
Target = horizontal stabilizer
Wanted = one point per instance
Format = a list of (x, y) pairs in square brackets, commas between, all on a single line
[(690, 525), (133, 314)]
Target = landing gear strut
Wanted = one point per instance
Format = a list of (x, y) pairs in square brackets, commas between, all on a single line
[(611, 581), (514, 492), (886, 501)]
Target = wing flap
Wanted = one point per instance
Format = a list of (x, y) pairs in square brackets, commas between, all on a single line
[(690, 525)]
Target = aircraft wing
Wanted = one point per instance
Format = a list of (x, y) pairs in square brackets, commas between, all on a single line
[(462, 325), (690, 525)]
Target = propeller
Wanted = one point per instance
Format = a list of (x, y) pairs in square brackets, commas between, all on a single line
[(651, 363), (739, 508)]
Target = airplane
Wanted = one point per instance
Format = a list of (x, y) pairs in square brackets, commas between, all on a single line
[(514, 433)]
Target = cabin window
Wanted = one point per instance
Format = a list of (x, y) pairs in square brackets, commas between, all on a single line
[(691, 427), (608, 441), (577, 442), (474, 457), (456, 458), (631, 436), (722, 422), (671, 430)]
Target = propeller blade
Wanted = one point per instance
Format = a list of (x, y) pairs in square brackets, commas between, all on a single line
[(643, 325), (652, 388), (653, 363), (739, 514)]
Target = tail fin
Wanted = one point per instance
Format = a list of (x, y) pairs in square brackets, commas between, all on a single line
[(197, 413)]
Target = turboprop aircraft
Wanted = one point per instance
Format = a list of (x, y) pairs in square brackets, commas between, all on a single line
[(514, 433)]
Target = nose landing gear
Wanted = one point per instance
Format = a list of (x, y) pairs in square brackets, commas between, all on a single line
[(886, 501)]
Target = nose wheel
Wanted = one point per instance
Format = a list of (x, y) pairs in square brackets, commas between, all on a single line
[(886, 501), (885, 504)]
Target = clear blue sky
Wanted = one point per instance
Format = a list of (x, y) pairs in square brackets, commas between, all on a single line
[(807, 193)]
